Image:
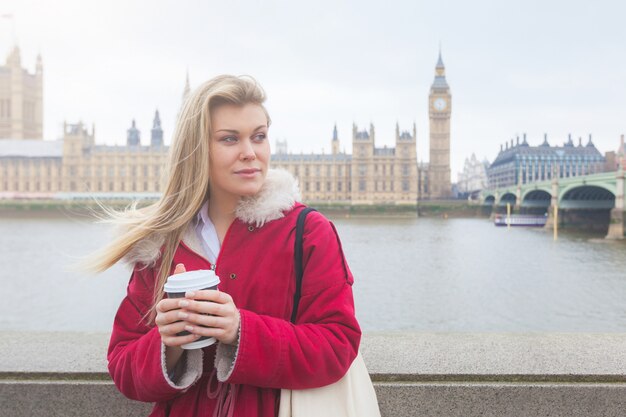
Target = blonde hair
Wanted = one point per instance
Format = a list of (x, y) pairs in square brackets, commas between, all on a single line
[(186, 180)]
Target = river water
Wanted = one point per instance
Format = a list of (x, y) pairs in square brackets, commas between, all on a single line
[(454, 275)]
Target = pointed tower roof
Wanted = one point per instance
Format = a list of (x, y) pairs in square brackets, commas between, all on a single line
[(156, 134), (440, 61), (133, 137), (440, 82), (335, 135), (157, 120)]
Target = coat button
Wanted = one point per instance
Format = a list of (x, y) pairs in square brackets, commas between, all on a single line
[(233, 276), (250, 228)]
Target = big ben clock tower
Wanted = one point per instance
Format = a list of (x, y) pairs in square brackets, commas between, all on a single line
[(439, 108)]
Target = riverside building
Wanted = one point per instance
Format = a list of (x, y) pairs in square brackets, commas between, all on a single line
[(473, 178), (21, 99), (520, 163), (75, 166)]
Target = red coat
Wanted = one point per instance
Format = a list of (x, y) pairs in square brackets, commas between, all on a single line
[(256, 268)]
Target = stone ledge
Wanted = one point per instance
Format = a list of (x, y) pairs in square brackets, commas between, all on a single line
[(433, 374)]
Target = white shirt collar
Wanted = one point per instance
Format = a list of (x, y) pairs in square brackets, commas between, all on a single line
[(207, 234)]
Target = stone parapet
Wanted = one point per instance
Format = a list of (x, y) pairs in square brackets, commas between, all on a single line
[(415, 374)]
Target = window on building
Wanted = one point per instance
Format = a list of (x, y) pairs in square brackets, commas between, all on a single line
[(306, 171), (339, 171), (339, 186), (361, 185), (328, 170), (317, 186), (362, 170), (111, 186), (405, 186), (328, 186), (145, 186), (306, 186)]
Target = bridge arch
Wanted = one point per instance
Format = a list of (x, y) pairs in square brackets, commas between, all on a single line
[(508, 197), (587, 197), (537, 198), (569, 188), (527, 191)]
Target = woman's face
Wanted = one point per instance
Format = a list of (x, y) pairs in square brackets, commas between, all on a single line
[(239, 150)]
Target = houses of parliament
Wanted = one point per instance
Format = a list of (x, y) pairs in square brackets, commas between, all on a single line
[(75, 165)]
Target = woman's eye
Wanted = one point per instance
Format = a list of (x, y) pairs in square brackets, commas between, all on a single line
[(229, 139), (260, 137)]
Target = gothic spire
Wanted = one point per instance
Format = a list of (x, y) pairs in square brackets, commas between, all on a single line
[(156, 137), (440, 82), (440, 61), (133, 135), (156, 123)]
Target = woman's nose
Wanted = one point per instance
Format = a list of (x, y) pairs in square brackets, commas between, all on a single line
[(247, 151)]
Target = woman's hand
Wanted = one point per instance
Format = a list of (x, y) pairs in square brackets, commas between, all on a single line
[(169, 322), (223, 321), (169, 319)]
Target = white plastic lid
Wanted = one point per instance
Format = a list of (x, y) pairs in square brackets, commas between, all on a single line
[(199, 343), (192, 280)]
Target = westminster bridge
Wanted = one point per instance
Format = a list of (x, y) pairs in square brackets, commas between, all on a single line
[(592, 201)]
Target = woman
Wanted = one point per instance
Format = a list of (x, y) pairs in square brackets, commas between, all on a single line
[(223, 208)]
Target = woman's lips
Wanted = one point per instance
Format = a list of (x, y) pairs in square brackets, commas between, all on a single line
[(248, 173)]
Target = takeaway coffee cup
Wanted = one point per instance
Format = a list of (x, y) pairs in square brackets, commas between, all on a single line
[(178, 284)]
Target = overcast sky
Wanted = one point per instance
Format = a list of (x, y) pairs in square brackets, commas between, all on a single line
[(529, 66)]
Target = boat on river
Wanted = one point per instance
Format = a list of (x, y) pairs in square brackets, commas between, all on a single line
[(526, 220)]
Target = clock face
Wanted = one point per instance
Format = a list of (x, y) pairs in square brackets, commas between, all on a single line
[(440, 104)]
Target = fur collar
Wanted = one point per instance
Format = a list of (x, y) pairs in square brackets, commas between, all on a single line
[(278, 194)]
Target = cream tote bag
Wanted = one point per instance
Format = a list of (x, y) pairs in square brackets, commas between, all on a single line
[(352, 396)]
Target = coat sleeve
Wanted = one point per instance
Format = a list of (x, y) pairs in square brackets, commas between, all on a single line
[(136, 354), (319, 349)]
